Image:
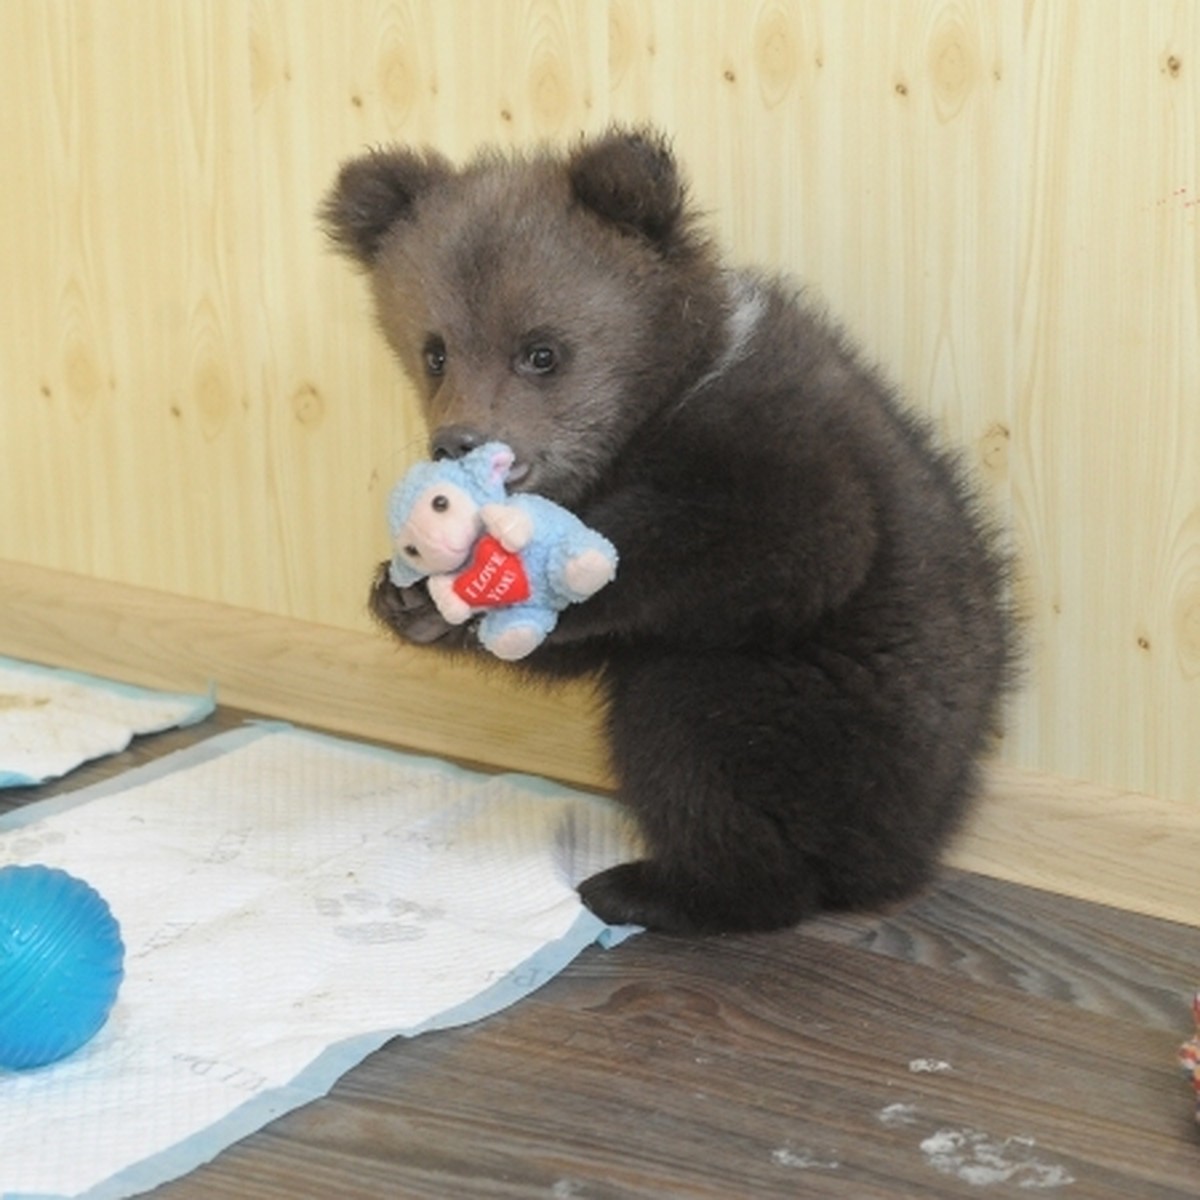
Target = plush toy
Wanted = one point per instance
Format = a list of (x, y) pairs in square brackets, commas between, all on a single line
[(1189, 1055), (517, 559)]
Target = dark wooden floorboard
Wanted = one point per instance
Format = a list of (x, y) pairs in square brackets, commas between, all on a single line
[(986, 1039), (1096, 958)]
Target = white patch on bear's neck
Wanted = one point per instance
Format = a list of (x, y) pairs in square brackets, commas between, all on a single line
[(748, 302)]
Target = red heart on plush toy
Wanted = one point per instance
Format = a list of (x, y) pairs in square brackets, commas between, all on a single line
[(493, 577)]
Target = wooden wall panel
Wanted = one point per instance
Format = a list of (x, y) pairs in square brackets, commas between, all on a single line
[(1107, 424), (870, 149), (1000, 199)]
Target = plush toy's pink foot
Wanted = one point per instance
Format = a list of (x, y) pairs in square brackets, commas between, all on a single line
[(452, 606), (588, 572), (1189, 1055), (515, 643), (512, 527)]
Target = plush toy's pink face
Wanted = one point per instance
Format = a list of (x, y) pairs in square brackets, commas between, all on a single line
[(440, 530)]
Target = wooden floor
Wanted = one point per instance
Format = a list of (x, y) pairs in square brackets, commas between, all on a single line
[(988, 1039)]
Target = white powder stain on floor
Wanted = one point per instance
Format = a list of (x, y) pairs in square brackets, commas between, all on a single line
[(977, 1158), (929, 1066), (898, 1114), (803, 1160)]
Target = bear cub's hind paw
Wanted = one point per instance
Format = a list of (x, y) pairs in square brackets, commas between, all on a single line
[(628, 894)]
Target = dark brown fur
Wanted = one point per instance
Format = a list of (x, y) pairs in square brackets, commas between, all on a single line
[(805, 649)]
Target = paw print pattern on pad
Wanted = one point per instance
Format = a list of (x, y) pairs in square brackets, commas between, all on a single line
[(30, 846), (368, 918)]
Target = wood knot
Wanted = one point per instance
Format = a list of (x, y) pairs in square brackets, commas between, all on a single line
[(993, 449), (308, 405), (954, 65), (776, 54)]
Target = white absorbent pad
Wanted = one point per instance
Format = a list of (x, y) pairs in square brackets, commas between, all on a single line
[(288, 902), (52, 720)]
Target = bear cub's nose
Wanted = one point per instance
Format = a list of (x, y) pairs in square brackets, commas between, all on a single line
[(453, 441)]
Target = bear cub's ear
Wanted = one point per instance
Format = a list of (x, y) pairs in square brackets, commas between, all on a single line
[(629, 177), (375, 191)]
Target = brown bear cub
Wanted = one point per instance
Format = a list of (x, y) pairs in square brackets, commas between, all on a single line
[(805, 648)]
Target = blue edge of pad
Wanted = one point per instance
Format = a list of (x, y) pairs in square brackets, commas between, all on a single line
[(320, 1075), (202, 705)]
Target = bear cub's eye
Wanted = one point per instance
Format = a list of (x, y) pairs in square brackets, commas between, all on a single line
[(435, 355), (440, 503), (541, 359), (541, 353), (411, 552)]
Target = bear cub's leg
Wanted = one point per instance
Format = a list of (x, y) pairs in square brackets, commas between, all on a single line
[(702, 752), (766, 790)]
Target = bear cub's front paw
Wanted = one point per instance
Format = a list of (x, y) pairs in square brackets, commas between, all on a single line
[(410, 613)]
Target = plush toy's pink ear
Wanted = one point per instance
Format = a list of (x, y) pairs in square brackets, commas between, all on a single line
[(489, 465), (500, 462)]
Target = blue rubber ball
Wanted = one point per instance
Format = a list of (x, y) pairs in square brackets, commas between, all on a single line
[(61, 963)]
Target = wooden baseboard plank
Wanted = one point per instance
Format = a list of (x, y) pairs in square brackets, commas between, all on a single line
[(1079, 839), (1086, 840), (356, 683)]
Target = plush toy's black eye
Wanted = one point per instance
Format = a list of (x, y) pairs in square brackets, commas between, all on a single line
[(411, 552), (440, 503), (435, 355), (541, 360)]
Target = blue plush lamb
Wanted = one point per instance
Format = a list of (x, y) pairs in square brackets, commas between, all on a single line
[(517, 559)]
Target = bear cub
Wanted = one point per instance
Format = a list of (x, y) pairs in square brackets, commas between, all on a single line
[(806, 646)]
